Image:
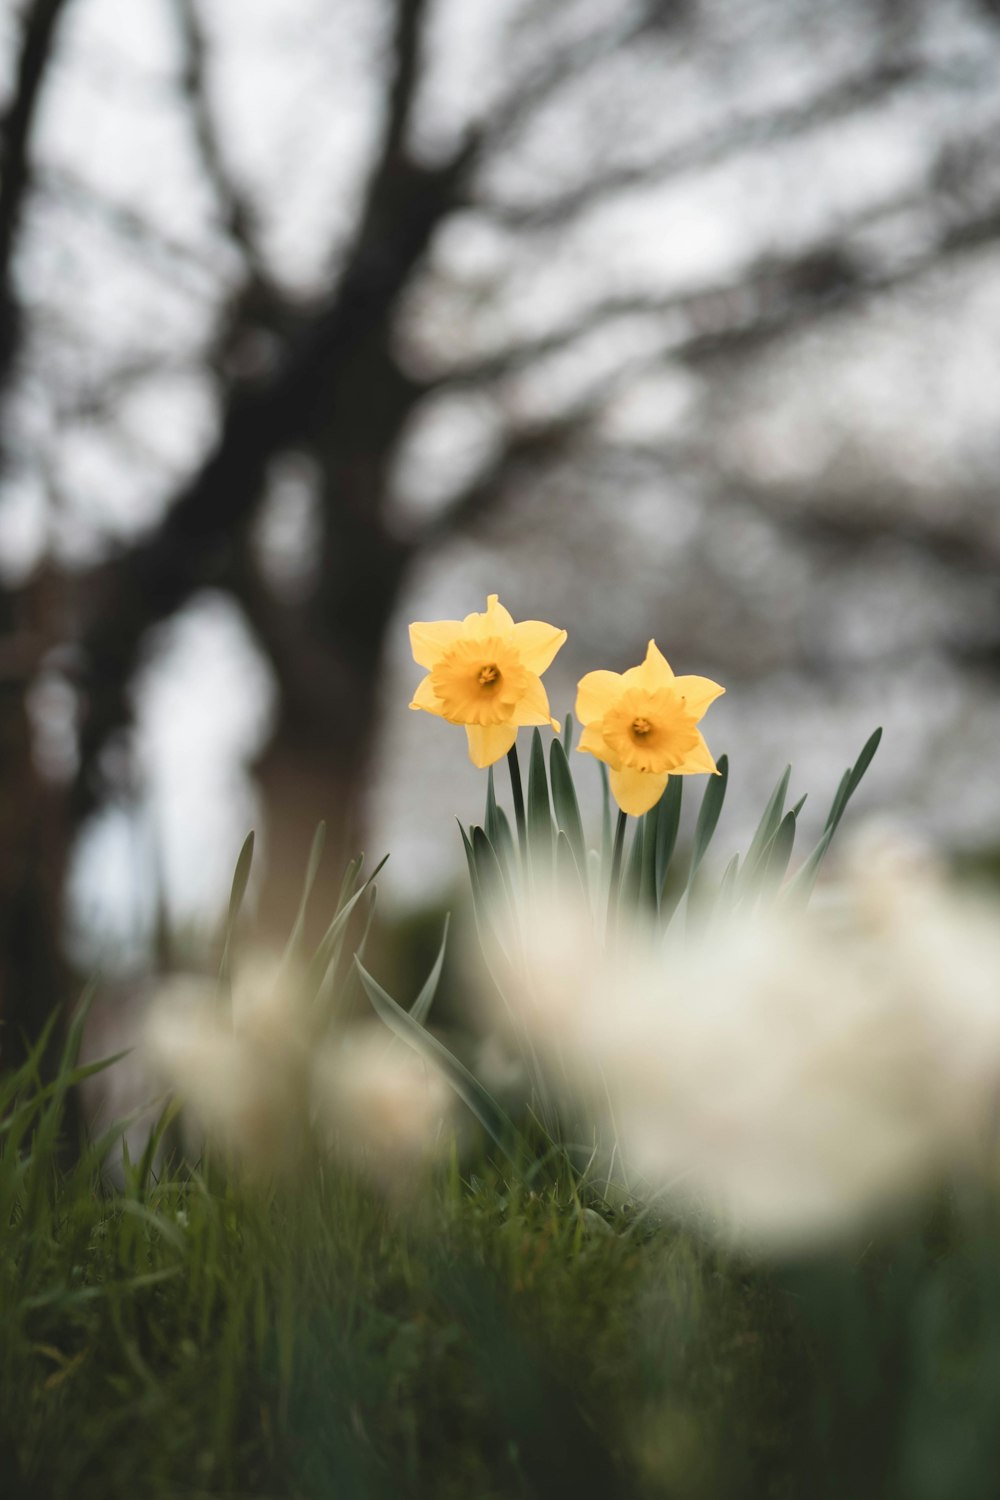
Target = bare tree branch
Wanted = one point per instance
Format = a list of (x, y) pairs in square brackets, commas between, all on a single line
[(848, 520), (519, 459), (40, 25), (762, 303), (304, 401), (410, 16), (569, 62), (827, 514), (237, 213), (166, 252), (317, 396), (735, 136)]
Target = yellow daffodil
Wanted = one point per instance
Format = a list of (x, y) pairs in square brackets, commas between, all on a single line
[(485, 672), (643, 724)]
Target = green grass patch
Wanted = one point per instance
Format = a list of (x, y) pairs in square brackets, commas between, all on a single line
[(504, 1334)]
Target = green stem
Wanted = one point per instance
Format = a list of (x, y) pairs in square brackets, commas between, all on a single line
[(518, 793), (616, 871)]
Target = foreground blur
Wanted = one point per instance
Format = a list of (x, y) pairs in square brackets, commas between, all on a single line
[(781, 1078)]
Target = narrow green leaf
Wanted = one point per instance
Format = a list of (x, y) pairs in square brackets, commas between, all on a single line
[(328, 953), (568, 873), (668, 817), (647, 873), (539, 809), (312, 867), (369, 919), (504, 846), (420, 1008), (487, 865), (708, 816), (632, 879), (779, 852), (470, 860), (853, 779), (498, 831), (727, 885), (468, 1088), (241, 876), (567, 808), (74, 1032), (800, 886), (56, 1090), (491, 808), (569, 729), (349, 881), (162, 1226), (166, 1118), (606, 849), (838, 803), (336, 991), (766, 828)]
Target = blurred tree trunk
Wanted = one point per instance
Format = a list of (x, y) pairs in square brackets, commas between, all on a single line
[(33, 976), (328, 656), (33, 828)]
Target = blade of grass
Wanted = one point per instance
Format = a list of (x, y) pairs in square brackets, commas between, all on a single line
[(766, 828), (800, 886), (567, 807), (328, 953), (708, 816), (668, 817), (478, 1099), (420, 1008), (241, 876), (539, 809)]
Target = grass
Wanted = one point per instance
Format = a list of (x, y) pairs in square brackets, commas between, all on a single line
[(190, 1335)]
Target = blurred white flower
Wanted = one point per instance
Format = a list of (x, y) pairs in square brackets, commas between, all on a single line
[(782, 1076), (380, 1104), (255, 1076), (241, 1066)]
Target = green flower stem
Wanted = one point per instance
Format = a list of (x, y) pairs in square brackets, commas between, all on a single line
[(516, 789), (616, 871)]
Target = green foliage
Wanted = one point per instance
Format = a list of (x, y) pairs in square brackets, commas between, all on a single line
[(651, 878), (647, 876), (505, 1335), (505, 1331)]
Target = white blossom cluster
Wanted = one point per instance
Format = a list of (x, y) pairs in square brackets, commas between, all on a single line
[(781, 1077)]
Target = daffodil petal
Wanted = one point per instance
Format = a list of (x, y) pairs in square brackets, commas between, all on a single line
[(498, 617), (592, 742), (595, 694), (697, 761), (430, 639), (489, 742), (494, 620), (537, 643), (637, 791), (533, 705), (698, 693), (654, 673), (425, 697)]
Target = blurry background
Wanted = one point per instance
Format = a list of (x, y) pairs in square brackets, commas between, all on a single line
[(677, 318)]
